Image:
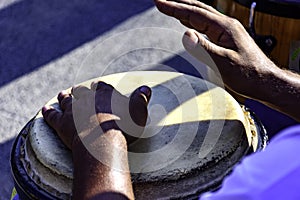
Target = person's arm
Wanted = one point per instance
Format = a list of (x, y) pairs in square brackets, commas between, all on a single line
[(244, 68), (94, 179), (91, 124)]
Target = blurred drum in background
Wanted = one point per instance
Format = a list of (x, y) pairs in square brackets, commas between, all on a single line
[(274, 24)]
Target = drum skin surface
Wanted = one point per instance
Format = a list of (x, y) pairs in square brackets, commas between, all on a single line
[(275, 18), (196, 133)]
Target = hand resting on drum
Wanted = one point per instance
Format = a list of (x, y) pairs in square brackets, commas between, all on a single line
[(91, 124), (110, 109), (244, 68)]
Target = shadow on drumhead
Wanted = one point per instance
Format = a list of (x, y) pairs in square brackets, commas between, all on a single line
[(196, 133), (181, 174)]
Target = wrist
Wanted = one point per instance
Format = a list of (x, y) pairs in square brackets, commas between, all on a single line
[(96, 170), (280, 90), (91, 146), (261, 81), (269, 83)]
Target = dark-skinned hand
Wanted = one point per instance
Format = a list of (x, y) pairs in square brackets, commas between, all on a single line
[(103, 106)]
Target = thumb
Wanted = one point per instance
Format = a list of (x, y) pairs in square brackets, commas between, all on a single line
[(193, 39), (200, 47), (138, 103), (141, 94)]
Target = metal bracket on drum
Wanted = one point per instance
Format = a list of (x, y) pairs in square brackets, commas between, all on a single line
[(266, 42), (263, 138)]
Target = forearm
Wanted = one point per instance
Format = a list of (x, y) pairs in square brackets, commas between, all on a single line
[(106, 177), (280, 90)]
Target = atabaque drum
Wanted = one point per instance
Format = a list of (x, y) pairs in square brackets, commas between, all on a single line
[(276, 24), (195, 133)]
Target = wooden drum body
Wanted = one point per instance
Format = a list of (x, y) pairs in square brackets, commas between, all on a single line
[(196, 133), (272, 18)]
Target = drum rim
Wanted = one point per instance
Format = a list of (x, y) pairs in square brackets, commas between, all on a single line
[(263, 138), (25, 186), (281, 9)]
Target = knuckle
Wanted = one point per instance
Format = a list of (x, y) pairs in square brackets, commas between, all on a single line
[(234, 23), (100, 85), (232, 20), (50, 117), (62, 95), (65, 102)]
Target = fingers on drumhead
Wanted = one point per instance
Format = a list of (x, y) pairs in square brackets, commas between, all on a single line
[(142, 93), (190, 40), (52, 116), (193, 41), (63, 94), (97, 85), (65, 99), (79, 91)]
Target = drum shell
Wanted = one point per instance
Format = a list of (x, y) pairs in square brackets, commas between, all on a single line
[(26, 188), (279, 20)]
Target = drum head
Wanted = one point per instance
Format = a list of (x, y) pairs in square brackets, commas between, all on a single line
[(196, 132)]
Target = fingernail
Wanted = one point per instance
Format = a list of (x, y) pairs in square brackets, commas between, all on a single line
[(64, 92), (190, 40), (94, 85), (145, 90), (45, 108), (99, 85), (102, 84)]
